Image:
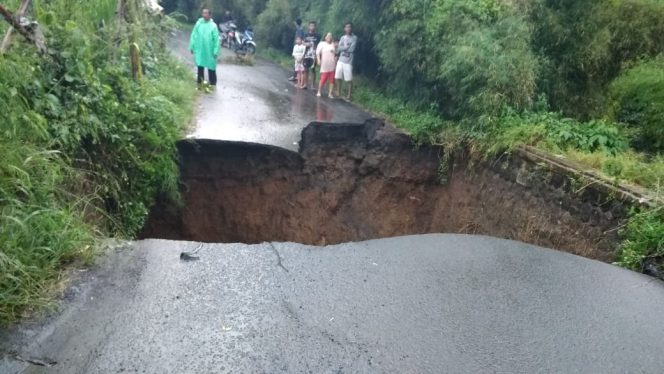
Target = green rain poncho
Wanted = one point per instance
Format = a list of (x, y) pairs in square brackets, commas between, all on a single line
[(204, 43)]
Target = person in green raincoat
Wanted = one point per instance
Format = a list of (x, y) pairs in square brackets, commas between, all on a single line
[(204, 45)]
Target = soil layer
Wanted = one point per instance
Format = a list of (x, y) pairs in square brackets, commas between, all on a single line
[(353, 182)]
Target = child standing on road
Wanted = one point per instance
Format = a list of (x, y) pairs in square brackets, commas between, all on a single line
[(298, 54)]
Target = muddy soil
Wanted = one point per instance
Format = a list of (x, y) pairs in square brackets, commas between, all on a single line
[(353, 182)]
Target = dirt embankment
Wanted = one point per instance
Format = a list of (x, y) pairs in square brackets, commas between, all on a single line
[(354, 182)]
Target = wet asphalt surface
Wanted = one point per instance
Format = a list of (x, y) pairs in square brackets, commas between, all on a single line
[(422, 304), (257, 103), (418, 304)]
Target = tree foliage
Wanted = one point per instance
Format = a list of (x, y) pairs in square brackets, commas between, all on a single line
[(586, 44), (638, 96)]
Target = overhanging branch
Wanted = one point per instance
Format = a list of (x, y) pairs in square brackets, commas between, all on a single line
[(6, 41), (9, 17)]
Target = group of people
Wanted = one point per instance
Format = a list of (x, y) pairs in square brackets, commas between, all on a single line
[(334, 58)]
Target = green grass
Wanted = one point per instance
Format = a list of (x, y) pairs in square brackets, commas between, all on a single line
[(644, 240), (425, 126), (628, 166), (42, 227), (600, 145)]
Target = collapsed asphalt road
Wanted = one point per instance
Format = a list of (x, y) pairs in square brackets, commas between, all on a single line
[(257, 104), (433, 303)]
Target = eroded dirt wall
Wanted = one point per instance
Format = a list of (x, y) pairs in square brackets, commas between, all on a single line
[(363, 181)]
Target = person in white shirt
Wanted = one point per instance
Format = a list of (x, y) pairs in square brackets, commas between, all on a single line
[(346, 51), (298, 55)]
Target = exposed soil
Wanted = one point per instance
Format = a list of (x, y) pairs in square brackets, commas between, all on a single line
[(353, 182)]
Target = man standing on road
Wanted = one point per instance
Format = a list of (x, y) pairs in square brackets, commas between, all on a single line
[(204, 45), (227, 17), (346, 51), (299, 33), (311, 40)]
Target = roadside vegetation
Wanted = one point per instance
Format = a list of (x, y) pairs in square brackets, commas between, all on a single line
[(582, 79), (85, 148)]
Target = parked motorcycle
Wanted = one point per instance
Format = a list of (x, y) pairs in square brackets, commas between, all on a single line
[(244, 43), (227, 35)]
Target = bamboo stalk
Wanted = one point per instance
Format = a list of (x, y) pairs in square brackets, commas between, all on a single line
[(120, 9), (7, 40), (135, 58)]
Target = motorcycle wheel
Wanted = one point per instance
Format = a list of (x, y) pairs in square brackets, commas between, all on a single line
[(251, 50)]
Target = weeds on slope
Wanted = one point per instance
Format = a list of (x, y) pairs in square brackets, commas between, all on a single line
[(85, 148), (42, 226), (643, 249)]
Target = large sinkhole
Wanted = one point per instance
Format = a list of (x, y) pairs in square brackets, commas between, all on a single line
[(353, 182)]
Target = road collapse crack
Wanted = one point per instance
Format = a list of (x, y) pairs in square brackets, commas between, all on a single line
[(189, 256), (44, 362), (276, 252)]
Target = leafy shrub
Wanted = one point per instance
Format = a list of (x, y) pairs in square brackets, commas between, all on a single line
[(644, 240), (120, 130), (554, 131), (638, 97)]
